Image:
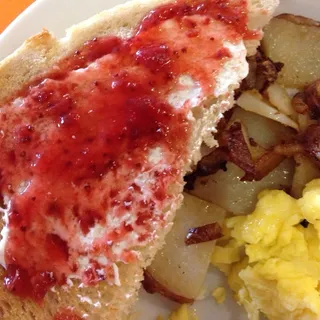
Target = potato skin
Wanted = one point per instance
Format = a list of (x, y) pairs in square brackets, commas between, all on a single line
[(299, 20)]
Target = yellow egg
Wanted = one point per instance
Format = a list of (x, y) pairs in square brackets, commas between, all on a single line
[(280, 273), (234, 280), (313, 242), (183, 313), (274, 210), (219, 294), (310, 202), (225, 255), (223, 267)]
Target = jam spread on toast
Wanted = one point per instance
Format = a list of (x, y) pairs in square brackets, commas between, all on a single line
[(90, 151)]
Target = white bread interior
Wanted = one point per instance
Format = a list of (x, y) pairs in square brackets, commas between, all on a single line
[(37, 55)]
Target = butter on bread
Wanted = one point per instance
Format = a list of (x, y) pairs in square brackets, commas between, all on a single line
[(38, 55)]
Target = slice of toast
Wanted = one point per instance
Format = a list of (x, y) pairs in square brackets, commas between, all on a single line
[(41, 57)]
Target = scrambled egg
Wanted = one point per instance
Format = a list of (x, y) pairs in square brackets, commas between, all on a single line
[(272, 260), (183, 313), (219, 295)]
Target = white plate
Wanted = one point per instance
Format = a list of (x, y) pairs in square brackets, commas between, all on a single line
[(56, 16)]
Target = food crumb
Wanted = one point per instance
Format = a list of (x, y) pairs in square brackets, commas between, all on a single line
[(219, 294), (183, 313)]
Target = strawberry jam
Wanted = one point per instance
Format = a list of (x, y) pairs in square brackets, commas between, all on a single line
[(89, 152)]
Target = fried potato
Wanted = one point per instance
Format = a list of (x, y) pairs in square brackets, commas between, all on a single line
[(294, 41), (178, 271)]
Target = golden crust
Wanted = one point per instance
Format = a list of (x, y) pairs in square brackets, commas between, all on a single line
[(36, 56), (299, 20), (40, 53)]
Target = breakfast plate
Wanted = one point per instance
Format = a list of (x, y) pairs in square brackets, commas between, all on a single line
[(56, 16)]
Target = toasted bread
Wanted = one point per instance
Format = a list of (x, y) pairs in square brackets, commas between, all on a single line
[(37, 56)]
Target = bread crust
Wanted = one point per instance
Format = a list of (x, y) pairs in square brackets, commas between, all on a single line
[(42, 51), (35, 57)]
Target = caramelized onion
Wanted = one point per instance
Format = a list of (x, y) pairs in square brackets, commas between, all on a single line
[(241, 153), (151, 285), (208, 165), (312, 98), (311, 142), (288, 149), (299, 103), (308, 101), (234, 139), (205, 233), (264, 165), (262, 72)]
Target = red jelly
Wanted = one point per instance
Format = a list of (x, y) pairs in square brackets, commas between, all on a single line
[(77, 163)]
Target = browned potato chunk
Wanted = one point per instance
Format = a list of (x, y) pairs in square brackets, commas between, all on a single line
[(178, 269), (226, 188), (294, 41)]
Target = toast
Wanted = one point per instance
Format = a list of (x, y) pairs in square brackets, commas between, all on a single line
[(190, 124)]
